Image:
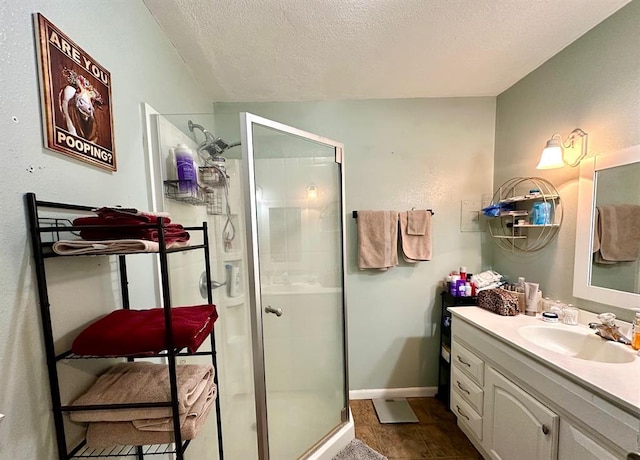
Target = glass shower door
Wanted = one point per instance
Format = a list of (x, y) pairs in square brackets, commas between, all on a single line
[(296, 258)]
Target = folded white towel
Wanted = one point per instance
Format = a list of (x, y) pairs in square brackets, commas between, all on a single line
[(78, 247)]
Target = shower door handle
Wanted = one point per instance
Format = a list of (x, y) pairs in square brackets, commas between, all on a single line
[(275, 311)]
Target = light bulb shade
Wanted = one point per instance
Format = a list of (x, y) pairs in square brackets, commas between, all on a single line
[(312, 192), (551, 156)]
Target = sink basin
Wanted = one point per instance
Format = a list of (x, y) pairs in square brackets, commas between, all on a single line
[(578, 343)]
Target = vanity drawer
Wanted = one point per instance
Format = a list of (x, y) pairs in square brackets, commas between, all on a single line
[(468, 390), (466, 415), (468, 362)]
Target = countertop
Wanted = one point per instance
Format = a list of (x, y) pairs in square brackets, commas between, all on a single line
[(618, 382)]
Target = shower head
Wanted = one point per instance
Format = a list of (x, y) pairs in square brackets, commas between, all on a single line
[(214, 146)]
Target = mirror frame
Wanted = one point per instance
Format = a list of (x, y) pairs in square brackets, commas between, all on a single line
[(582, 287)]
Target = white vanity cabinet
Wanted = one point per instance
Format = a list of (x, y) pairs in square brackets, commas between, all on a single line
[(513, 406), (467, 395), (517, 426), (576, 445)]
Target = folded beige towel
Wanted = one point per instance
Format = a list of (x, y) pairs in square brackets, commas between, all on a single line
[(377, 239), (417, 222), (101, 435), (77, 247), (415, 248), (142, 382), (619, 233), (166, 423)]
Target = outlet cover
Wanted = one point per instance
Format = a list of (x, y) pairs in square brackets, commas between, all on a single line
[(470, 216)]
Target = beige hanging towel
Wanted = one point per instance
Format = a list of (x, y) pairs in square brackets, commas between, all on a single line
[(417, 222), (618, 232), (415, 248), (377, 239)]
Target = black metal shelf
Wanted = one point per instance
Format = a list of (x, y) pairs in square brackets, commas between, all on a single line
[(42, 250), (83, 451), (444, 366), (70, 355)]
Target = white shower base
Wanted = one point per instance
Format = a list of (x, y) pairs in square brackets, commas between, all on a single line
[(239, 427)]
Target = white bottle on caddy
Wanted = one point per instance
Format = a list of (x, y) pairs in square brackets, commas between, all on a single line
[(233, 280)]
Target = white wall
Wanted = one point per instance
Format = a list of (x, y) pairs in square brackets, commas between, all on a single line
[(593, 84), (122, 36), (399, 154)]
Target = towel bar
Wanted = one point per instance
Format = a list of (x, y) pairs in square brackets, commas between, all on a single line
[(355, 213)]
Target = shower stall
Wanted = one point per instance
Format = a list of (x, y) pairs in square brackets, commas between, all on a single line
[(273, 198)]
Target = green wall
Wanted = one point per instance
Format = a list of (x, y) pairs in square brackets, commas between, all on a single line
[(593, 84), (123, 37), (399, 154)]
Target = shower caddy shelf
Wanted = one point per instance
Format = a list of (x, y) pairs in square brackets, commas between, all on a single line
[(517, 194), (39, 226)]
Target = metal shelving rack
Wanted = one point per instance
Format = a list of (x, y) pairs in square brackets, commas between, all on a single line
[(506, 229), (42, 250)]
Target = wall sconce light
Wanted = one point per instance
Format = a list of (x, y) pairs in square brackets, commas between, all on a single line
[(312, 192), (553, 153)]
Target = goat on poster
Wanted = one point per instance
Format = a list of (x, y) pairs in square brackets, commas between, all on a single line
[(76, 94)]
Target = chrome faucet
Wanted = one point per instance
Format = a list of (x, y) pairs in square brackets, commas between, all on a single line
[(608, 329)]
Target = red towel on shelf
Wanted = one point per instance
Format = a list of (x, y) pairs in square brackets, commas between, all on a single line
[(132, 332), (119, 213), (172, 232)]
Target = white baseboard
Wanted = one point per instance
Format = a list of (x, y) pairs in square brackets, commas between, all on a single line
[(412, 392)]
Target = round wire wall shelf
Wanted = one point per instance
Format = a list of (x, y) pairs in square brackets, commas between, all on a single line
[(517, 224)]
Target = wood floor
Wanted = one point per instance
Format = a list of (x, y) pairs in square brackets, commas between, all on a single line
[(436, 436)]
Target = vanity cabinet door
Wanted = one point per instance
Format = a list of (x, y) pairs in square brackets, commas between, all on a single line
[(516, 426), (576, 445)]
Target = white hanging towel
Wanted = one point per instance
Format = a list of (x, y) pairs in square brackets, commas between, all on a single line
[(377, 239)]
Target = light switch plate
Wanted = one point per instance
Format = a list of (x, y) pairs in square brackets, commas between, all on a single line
[(471, 216)]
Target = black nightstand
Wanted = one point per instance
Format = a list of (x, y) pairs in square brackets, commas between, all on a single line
[(444, 367)]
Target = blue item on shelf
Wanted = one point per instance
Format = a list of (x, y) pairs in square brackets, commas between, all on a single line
[(541, 213)]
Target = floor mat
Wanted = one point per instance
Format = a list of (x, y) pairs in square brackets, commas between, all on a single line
[(358, 450)]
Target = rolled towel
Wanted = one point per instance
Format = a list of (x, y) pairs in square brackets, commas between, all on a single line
[(141, 382), (107, 434), (77, 247)]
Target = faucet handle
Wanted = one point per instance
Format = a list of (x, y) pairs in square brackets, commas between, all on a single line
[(607, 319)]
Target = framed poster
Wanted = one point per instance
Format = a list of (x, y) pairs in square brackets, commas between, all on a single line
[(76, 99)]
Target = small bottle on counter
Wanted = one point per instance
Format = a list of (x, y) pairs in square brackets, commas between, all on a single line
[(635, 332)]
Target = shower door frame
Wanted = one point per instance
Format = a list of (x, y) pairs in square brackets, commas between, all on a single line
[(253, 265)]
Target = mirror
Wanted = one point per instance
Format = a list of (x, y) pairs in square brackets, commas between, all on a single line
[(607, 255)]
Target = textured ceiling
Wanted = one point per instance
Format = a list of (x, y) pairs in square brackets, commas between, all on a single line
[(283, 50)]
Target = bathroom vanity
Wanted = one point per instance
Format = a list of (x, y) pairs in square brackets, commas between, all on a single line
[(519, 390)]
